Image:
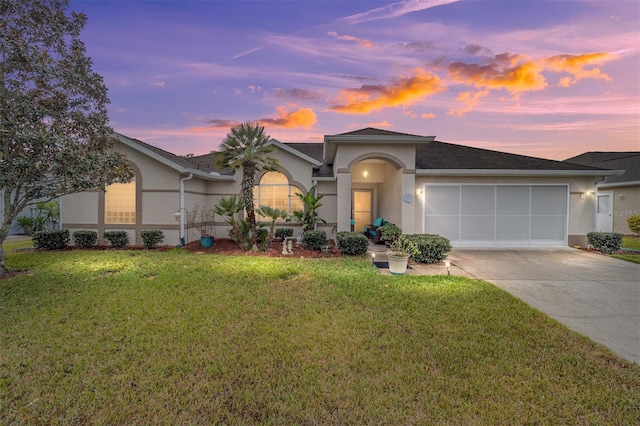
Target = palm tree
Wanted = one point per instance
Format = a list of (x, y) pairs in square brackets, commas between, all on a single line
[(247, 147)]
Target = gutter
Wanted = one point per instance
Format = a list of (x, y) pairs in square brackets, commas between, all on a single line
[(510, 172), (181, 208)]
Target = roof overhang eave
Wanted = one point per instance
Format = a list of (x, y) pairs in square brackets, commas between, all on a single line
[(517, 172)]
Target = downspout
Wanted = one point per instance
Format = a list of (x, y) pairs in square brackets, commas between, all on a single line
[(181, 208)]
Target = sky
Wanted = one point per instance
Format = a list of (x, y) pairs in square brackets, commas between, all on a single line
[(550, 78)]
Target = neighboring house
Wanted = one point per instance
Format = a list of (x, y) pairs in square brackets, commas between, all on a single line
[(618, 197), (474, 197)]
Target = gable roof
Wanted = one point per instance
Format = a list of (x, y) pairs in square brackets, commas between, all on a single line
[(178, 163), (447, 156), (627, 161)]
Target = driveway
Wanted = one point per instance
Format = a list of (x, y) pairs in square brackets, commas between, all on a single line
[(595, 295)]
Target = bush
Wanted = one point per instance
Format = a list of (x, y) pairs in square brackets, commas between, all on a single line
[(151, 237), (433, 248), (85, 239), (51, 240), (605, 242), (352, 243), (314, 240), (389, 232), (117, 239), (634, 223), (283, 233)]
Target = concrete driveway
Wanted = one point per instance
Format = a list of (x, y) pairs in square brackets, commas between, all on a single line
[(595, 295)]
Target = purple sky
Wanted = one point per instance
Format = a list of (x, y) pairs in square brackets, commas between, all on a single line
[(545, 78)]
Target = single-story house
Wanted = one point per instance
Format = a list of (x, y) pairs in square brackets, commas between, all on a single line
[(474, 197), (619, 196)]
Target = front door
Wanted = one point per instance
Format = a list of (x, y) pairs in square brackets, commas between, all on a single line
[(604, 211), (361, 207)]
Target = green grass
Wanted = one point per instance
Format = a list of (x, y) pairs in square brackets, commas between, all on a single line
[(629, 242), (16, 244), (134, 337)]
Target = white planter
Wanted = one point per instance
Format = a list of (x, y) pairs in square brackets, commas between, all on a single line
[(397, 263)]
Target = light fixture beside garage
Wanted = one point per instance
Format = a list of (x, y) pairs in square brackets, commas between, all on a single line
[(365, 174)]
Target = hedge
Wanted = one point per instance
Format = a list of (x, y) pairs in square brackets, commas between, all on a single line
[(51, 240), (433, 248), (85, 239), (352, 243), (605, 242), (117, 239), (314, 240), (151, 237)]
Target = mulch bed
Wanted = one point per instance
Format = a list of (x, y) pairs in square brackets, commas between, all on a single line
[(228, 247)]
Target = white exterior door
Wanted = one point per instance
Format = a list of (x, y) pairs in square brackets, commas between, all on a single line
[(604, 211), (472, 215)]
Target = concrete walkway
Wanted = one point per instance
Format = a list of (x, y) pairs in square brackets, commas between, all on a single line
[(595, 295)]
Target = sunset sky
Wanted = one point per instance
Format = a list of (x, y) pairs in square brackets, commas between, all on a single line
[(551, 78)]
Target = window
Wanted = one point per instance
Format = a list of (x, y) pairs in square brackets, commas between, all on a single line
[(274, 191), (120, 203)]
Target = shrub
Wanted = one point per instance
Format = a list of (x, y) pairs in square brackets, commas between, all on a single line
[(51, 240), (634, 223), (433, 248), (117, 239), (283, 233), (389, 232), (151, 237), (605, 242), (85, 239), (352, 243), (314, 240)]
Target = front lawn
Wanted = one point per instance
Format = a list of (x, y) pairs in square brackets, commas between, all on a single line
[(135, 337)]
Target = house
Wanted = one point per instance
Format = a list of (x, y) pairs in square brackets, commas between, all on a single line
[(618, 197), (474, 197)]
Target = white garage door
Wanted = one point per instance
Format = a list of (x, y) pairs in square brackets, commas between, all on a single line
[(497, 215)]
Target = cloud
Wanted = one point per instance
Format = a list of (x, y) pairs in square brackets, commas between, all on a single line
[(254, 89), (383, 123), (418, 46), (363, 42), (303, 117), (394, 10), (245, 53), (470, 100), (575, 65), (158, 83), (298, 94), (514, 73), (475, 49), (215, 124), (428, 115), (402, 92)]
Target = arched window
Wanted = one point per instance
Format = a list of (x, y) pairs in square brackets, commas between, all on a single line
[(274, 191), (120, 203)]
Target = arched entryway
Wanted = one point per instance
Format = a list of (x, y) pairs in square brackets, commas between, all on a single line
[(376, 185)]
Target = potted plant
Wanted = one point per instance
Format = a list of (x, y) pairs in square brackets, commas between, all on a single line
[(400, 250), (202, 219), (389, 232)]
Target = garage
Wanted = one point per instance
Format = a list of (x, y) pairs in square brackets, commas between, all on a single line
[(482, 215)]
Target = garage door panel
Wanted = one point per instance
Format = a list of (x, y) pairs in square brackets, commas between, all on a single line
[(547, 227), (447, 226), (478, 227), (512, 228), (513, 200), (497, 215)]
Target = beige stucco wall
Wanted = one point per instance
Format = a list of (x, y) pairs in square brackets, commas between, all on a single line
[(626, 202)]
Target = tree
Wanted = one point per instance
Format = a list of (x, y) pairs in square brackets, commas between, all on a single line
[(247, 147), (55, 137), (309, 215)]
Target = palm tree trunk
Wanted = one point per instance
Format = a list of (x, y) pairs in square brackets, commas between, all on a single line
[(248, 179)]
